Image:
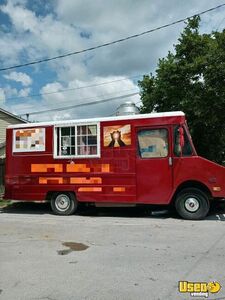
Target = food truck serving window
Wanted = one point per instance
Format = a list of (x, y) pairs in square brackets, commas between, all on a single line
[(77, 141)]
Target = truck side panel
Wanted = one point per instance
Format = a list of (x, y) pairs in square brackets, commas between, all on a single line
[(30, 176), (112, 177)]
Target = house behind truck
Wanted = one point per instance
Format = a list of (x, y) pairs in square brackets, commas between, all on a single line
[(123, 160)]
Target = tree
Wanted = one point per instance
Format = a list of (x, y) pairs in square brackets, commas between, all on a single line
[(192, 79)]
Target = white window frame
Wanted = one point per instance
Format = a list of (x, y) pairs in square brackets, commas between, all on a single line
[(76, 155)]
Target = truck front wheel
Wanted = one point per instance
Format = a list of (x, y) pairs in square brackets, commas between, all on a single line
[(192, 204), (63, 203)]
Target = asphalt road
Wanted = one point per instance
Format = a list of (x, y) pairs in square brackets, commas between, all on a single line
[(107, 254)]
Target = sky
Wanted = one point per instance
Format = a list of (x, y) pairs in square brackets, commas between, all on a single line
[(38, 29)]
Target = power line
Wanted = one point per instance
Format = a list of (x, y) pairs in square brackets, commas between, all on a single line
[(111, 43), (79, 105), (112, 94), (73, 89)]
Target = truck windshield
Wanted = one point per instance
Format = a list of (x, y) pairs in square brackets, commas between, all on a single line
[(187, 149)]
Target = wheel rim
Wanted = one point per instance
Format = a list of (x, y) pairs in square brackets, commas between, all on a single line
[(62, 202), (191, 204)]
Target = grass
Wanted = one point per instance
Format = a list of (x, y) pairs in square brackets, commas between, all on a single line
[(4, 203)]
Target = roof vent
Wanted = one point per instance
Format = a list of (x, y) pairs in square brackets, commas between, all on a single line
[(127, 108)]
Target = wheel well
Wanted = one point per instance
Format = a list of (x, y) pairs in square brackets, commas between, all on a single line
[(192, 184), (51, 193)]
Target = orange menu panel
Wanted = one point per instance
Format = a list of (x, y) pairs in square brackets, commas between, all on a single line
[(101, 168), (70, 168), (119, 189), (90, 189), (83, 180), (71, 180), (105, 168), (44, 168), (77, 168), (50, 180)]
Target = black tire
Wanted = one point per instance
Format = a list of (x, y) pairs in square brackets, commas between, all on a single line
[(63, 203), (192, 204)]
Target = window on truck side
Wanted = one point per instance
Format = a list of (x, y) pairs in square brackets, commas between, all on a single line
[(77, 140), (187, 149), (87, 140), (153, 143)]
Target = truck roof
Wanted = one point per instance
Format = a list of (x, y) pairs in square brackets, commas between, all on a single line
[(102, 119)]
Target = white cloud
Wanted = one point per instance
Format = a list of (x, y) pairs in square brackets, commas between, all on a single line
[(97, 91), (50, 99), (11, 46), (45, 36), (23, 78), (59, 32), (12, 94), (10, 91), (50, 93), (24, 92), (21, 18), (33, 36)]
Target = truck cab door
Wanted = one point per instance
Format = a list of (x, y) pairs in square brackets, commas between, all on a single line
[(154, 165)]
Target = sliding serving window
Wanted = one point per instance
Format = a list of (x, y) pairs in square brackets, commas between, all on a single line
[(77, 141)]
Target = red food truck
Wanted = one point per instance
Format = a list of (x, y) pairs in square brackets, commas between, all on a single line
[(124, 160)]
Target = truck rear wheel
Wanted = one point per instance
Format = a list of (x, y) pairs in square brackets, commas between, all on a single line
[(192, 204), (63, 203)]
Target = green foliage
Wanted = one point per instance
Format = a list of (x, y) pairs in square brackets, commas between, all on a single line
[(193, 80)]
